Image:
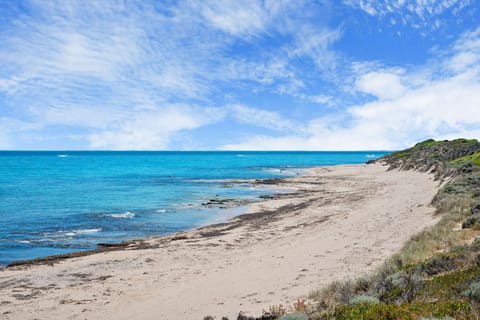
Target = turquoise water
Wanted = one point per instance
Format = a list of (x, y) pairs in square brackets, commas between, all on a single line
[(60, 202)]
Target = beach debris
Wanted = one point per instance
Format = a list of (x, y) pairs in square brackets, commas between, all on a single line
[(224, 203), (179, 236), (268, 181)]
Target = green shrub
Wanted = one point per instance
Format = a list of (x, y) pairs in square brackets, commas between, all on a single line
[(473, 292), (470, 222), (293, 316), (457, 309), (448, 286), (363, 299), (473, 158)]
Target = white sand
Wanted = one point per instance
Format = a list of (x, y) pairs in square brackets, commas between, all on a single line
[(342, 222)]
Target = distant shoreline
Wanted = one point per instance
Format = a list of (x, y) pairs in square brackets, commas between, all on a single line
[(89, 197)]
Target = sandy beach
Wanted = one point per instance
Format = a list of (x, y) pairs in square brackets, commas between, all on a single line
[(337, 223)]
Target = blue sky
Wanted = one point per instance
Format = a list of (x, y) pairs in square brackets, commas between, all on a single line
[(241, 75)]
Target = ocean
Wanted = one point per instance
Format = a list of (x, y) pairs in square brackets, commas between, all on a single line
[(61, 202)]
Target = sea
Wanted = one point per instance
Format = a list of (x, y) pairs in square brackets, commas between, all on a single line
[(59, 202)]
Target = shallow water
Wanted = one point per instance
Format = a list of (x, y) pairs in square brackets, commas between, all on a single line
[(59, 202)]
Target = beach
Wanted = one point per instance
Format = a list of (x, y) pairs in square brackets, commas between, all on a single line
[(333, 223)]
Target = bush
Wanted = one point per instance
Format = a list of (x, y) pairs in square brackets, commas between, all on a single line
[(293, 316), (470, 222), (363, 299), (457, 310), (473, 292)]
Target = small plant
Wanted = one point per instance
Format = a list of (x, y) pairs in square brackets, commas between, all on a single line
[(470, 222), (473, 292), (294, 316), (363, 299), (277, 310), (300, 306)]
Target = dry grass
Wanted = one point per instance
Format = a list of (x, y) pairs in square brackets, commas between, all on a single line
[(445, 234), (398, 280)]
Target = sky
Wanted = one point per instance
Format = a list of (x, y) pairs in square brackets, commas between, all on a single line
[(237, 75)]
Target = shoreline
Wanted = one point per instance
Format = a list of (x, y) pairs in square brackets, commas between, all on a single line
[(143, 243), (275, 253)]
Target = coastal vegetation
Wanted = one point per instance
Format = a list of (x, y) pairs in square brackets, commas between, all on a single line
[(436, 275)]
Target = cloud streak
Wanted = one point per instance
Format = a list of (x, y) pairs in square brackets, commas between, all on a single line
[(396, 115), (145, 75), (87, 66)]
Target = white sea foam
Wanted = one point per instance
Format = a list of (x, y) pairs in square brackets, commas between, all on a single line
[(371, 156), (69, 233), (161, 210), (125, 215), (62, 155), (240, 155), (93, 230), (23, 241)]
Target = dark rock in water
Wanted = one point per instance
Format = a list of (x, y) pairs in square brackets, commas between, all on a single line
[(221, 203), (475, 209), (268, 181), (268, 197)]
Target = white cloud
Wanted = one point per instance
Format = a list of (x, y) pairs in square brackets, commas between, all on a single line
[(262, 118), (321, 99), (440, 107), (382, 84), (152, 130), (416, 13), (89, 66), (316, 44), (246, 18), (466, 52), (10, 128)]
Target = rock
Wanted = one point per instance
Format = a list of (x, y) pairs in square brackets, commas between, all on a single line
[(475, 209), (224, 318), (467, 167), (268, 316), (470, 222), (241, 316)]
